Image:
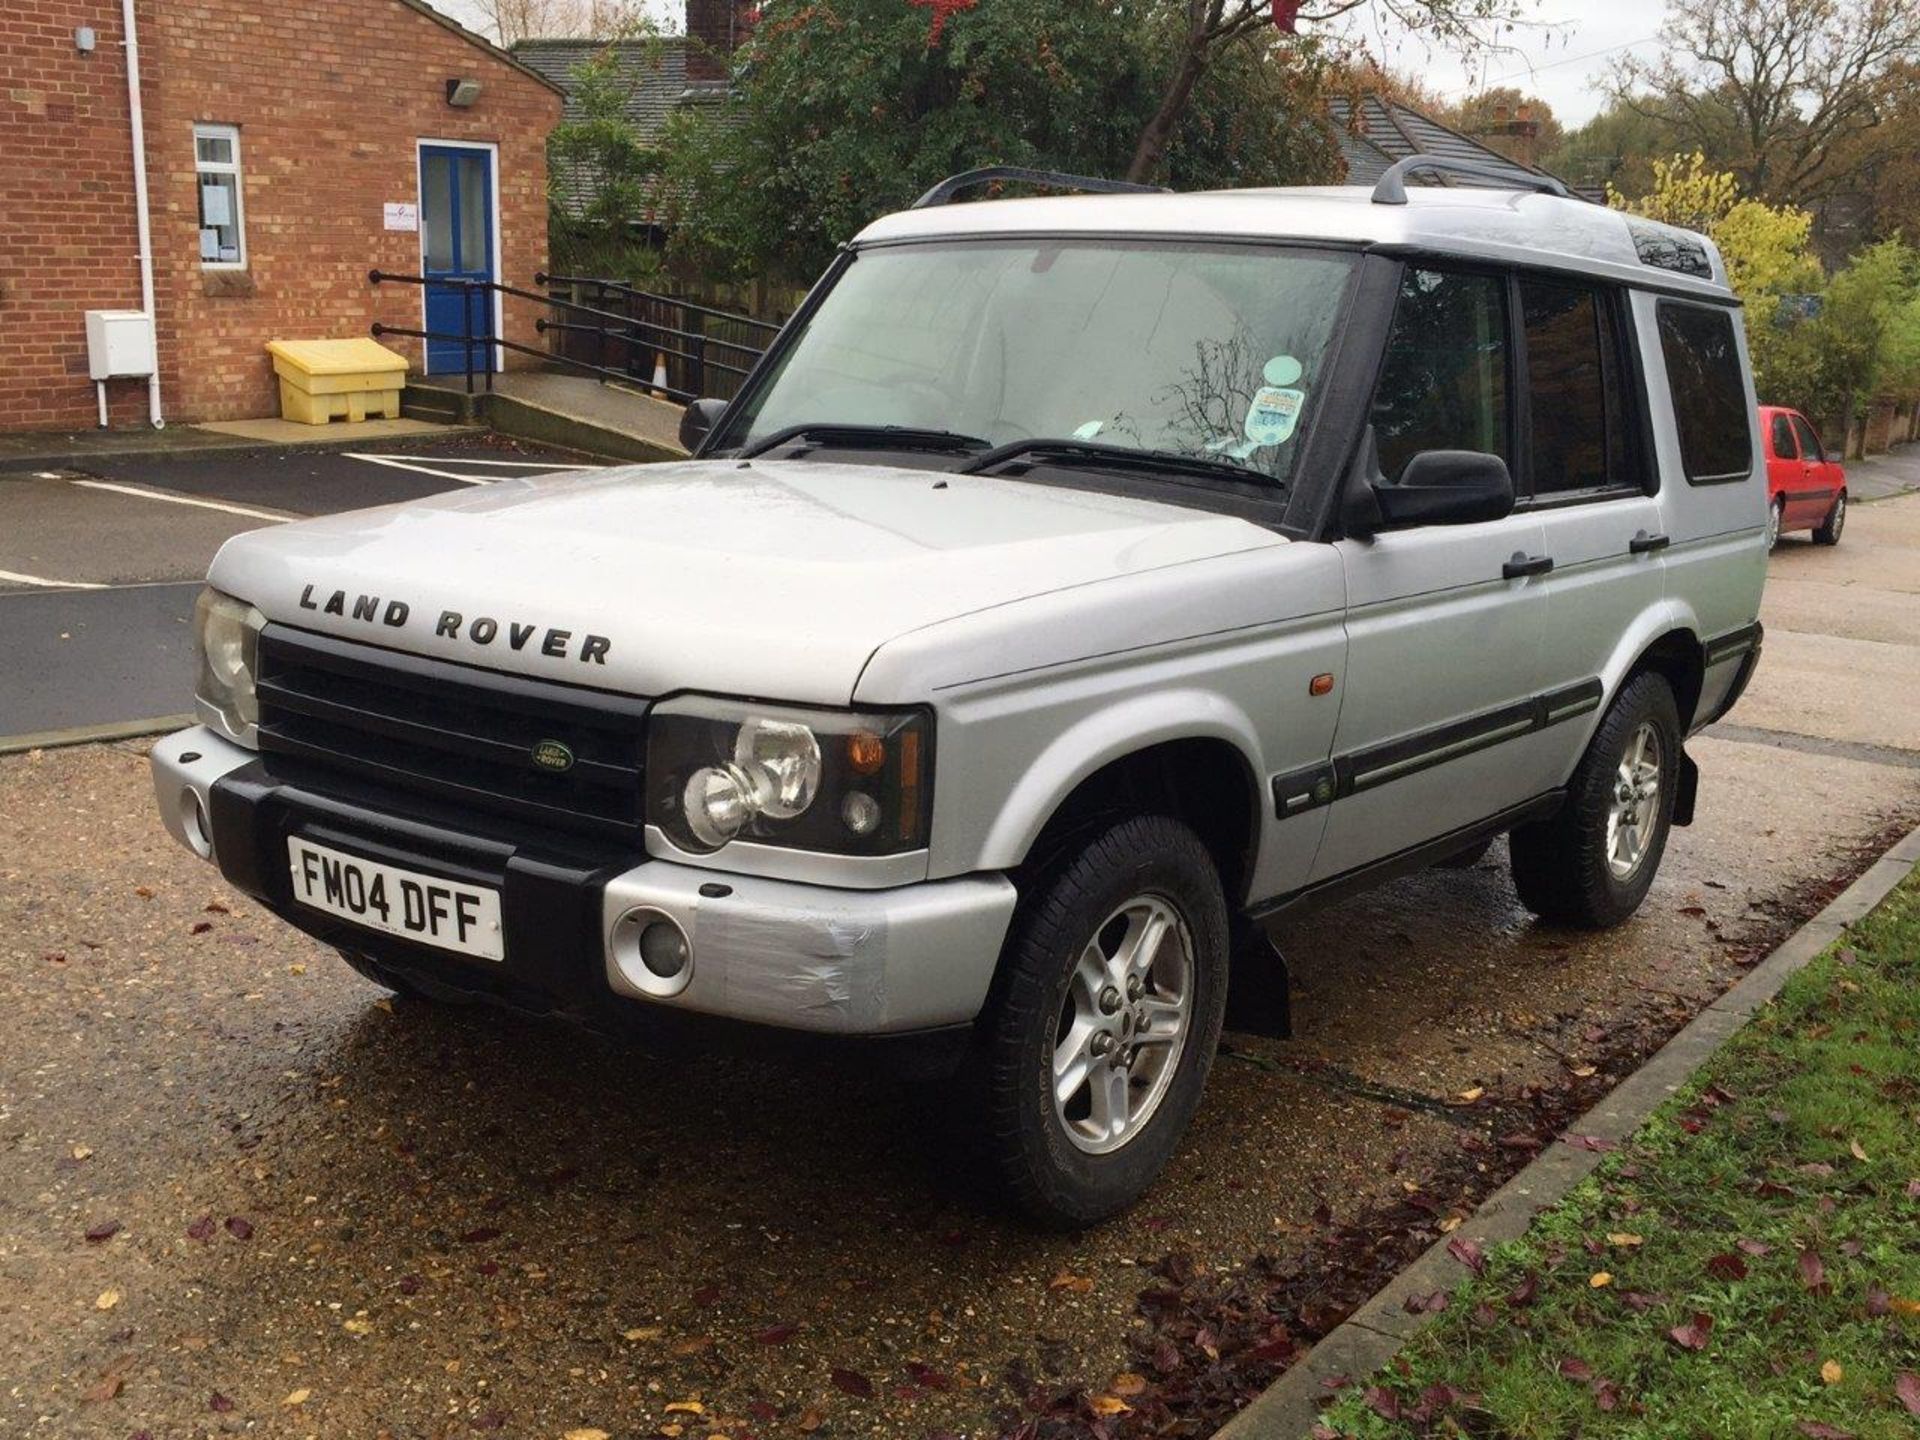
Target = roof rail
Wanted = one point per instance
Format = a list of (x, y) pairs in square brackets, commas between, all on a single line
[(943, 193), (1392, 186)]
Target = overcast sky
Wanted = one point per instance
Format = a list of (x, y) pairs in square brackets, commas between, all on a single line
[(1558, 59)]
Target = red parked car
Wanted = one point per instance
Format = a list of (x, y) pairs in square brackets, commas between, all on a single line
[(1806, 489)]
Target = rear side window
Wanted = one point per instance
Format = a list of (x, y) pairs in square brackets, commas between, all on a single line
[(1578, 430), (1443, 384), (1783, 448), (1809, 442), (1709, 398)]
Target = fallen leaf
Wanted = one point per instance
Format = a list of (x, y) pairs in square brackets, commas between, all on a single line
[(1813, 1274), (1859, 1153), (1907, 1386), (643, 1332), (104, 1389), (1754, 1247), (219, 1403), (298, 1397), (201, 1229), (1820, 1430), (776, 1334), (588, 1434), (1575, 1368), (1600, 1279), (1108, 1405), (239, 1227), (357, 1325), (81, 1152), (1693, 1335), (852, 1382), (1727, 1267), (1832, 1373), (686, 1407), (1127, 1383), (103, 1232), (811, 1420), (1065, 1280), (107, 1300), (1469, 1254), (1583, 1072), (1452, 1223), (1621, 1237), (1467, 1097), (200, 927)]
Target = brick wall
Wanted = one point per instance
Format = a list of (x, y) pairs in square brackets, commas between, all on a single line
[(330, 97), (67, 242)]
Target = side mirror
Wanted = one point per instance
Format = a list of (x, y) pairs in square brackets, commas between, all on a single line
[(697, 422), (1445, 487)]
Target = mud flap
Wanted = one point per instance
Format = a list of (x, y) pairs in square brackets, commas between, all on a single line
[(1259, 995), (1687, 791)]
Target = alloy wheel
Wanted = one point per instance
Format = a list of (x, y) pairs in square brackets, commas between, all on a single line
[(1123, 1024), (1635, 809)]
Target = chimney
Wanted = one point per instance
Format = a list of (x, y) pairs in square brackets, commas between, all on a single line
[(715, 29)]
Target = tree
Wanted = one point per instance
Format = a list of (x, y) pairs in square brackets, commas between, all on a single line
[(602, 178), (1616, 147), (1207, 30), (1778, 95), (512, 21), (845, 109)]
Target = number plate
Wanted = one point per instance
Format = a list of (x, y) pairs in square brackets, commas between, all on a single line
[(424, 908)]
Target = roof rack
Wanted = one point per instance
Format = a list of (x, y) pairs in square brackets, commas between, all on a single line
[(943, 193), (1392, 186)]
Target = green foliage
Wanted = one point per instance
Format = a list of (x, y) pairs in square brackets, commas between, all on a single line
[(1771, 1197), (603, 180), (847, 109)]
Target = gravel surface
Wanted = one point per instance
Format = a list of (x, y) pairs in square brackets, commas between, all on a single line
[(233, 1174)]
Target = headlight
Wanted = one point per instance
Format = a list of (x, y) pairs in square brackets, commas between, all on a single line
[(227, 637), (843, 782)]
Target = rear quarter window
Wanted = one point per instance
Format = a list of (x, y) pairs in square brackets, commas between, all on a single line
[(1709, 392)]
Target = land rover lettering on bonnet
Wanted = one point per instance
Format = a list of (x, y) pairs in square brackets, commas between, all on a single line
[(1076, 583)]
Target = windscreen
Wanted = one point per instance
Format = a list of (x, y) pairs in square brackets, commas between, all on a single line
[(1211, 351)]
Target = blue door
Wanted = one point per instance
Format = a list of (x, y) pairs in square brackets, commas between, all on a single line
[(456, 231)]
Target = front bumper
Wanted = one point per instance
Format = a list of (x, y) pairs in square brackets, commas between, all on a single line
[(771, 952)]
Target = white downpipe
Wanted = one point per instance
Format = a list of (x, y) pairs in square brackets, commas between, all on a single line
[(140, 207)]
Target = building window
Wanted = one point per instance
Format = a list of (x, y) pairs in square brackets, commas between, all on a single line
[(216, 163)]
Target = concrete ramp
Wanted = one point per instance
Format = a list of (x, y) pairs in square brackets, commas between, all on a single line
[(574, 411)]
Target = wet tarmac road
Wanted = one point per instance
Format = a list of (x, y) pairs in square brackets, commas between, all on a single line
[(322, 1213)]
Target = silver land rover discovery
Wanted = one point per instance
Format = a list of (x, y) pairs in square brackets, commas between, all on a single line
[(1077, 581)]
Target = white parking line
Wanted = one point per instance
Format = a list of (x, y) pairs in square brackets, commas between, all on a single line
[(143, 494), (12, 578), (398, 463)]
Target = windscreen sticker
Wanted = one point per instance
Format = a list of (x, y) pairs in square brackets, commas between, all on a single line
[(1230, 447), (1282, 370), (1273, 413), (1088, 430)]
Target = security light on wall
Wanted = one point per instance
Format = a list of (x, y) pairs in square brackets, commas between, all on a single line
[(462, 93)]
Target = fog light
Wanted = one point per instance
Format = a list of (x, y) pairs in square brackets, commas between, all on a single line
[(195, 823), (861, 812), (663, 949)]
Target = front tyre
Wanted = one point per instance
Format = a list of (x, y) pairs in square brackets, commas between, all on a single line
[(1591, 863), (1114, 981)]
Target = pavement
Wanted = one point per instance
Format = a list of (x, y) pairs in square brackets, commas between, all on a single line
[(101, 558), (242, 1190)]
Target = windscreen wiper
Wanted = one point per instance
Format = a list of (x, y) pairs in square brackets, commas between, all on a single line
[(835, 435), (1116, 457)]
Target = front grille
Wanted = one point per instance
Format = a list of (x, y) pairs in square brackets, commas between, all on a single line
[(453, 731)]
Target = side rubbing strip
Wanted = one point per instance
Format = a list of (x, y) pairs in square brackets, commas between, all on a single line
[(1303, 790), (1734, 643)]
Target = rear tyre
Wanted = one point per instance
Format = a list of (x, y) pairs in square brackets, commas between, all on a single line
[(1113, 983), (1590, 864), (1829, 531), (1776, 517)]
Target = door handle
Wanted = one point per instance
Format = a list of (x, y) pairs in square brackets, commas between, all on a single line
[(1523, 564), (1645, 544)]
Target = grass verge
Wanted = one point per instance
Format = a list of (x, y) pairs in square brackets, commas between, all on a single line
[(1749, 1266)]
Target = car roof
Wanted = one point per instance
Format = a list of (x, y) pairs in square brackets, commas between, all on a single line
[(1506, 226)]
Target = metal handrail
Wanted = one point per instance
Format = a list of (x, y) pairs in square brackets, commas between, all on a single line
[(621, 287), (377, 330)]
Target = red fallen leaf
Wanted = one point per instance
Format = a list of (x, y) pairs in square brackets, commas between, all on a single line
[(409, 1284), (104, 1389), (1820, 1430), (1727, 1267), (201, 1229), (200, 927), (1156, 1223), (1817, 1168), (239, 1227), (1469, 1254), (1575, 1368), (1906, 1385), (763, 1412), (1879, 1302), (1813, 1273), (1693, 1335), (1383, 1402), (479, 1235), (1426, 1304), (852, 1382), (1913, 1189), (1851, 1248), (1590, 1142), (777, 1334), (103, 1232), (214, 907), (1754, 1247), (1640, 1302), (489, 1268), (219, 1403), (490, 1420), (1524, 1144), (706, 1295), (1483, 1315), (927, 1377), (1523, 1294), (1606, 1395), (1773, 1189)]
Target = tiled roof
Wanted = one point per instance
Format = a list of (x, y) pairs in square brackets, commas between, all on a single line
[(652, 72), (1374, 132)]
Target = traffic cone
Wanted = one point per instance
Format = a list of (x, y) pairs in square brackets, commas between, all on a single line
[(660, 374)]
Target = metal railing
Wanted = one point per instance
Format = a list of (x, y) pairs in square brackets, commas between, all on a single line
[(627, 347), (706, 351)]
